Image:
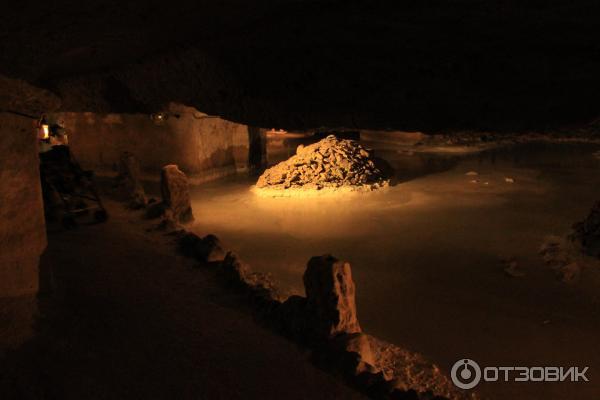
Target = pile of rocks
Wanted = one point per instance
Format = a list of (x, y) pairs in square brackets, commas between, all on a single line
[(329, 163)]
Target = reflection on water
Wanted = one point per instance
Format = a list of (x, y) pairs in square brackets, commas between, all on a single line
[(425, 254)]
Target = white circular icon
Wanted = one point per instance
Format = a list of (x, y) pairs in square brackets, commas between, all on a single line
[(465, 373)]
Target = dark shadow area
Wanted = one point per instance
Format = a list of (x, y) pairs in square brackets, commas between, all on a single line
[(257, 149), (129, 318), (436, 65)]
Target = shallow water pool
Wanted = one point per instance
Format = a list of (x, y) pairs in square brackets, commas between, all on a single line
[(426, 255)]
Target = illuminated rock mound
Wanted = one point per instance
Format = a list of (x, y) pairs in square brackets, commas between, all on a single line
[(328, 164)]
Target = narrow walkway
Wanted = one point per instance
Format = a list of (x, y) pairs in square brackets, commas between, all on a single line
[(137, 321)]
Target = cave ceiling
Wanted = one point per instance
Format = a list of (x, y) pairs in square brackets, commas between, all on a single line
[(306, 64)]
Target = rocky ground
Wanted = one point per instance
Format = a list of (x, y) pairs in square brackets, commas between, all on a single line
[(329, 163), (130, 318), (575, 257)]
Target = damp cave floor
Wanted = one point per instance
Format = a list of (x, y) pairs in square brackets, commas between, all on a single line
[(129, 318)]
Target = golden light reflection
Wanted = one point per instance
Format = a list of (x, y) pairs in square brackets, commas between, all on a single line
[(45, 131)]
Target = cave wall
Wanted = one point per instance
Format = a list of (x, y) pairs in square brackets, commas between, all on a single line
[(22, 226), (205, 147)]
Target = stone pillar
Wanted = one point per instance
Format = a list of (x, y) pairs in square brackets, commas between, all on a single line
[(330, 298), (129, 180), (176, 193)]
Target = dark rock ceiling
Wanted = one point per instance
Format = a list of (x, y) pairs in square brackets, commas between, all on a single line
[(436, 64)]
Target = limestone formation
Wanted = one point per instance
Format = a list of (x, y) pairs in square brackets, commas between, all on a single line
[(330, 294), (129, 180), (175, 193), (329, 163), (587, 232)]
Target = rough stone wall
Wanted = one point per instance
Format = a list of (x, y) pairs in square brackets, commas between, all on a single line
[(204, 147), (22, 226)]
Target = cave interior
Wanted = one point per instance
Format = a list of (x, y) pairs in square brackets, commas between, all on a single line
[(446, 151)]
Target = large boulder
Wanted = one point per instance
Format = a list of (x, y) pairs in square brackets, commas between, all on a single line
[(175, 193), (129, 180), (329, 163), (330, 295), (587, 232)]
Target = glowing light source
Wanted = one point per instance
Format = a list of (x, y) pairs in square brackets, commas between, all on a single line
[(45, 131), (159, 118)]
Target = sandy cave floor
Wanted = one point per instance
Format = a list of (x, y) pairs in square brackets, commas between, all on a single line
[(131, 319)]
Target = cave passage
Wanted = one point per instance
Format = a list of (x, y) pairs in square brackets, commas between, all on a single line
[(162, 192)]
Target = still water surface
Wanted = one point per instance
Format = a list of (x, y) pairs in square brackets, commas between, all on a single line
[(426, 253)]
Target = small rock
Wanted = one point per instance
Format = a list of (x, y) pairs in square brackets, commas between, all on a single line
[(513, 269), (370, 379), (509, 180), (206, 249), (357, 344), (211, 249), (167, 222), (155, 210), (587, 232), (472, 173), (569, 273), (188, 242), (234, 270)]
